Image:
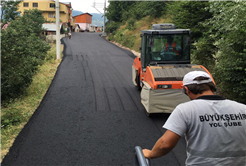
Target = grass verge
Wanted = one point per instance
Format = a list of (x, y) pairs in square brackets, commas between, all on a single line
[(23, 108)]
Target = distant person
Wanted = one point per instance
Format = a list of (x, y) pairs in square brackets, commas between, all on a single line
[(69, 35), (214, 127), (171, 46)]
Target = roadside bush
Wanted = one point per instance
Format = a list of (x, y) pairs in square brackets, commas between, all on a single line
[(130, 24), (11, 117), (228, 35), (111, 27), (22, 51)]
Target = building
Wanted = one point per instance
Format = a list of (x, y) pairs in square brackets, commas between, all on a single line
[(96, 28), (84, 20), (50, 31), (48, 9), (50, 28), (76, 28)]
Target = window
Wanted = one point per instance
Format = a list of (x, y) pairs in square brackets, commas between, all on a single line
[(51, 15), (34, 4), (169, 47), (25, 4), (52, 5)]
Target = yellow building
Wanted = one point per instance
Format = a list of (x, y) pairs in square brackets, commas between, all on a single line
[(48, 9)]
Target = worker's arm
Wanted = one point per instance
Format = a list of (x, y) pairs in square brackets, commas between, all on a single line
[(163, 146)]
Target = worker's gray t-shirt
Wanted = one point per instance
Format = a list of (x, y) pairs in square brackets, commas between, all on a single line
[(214, 128)]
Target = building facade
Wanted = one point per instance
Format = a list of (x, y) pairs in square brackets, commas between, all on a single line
[(48, 9), (95, 28), (84, 20)]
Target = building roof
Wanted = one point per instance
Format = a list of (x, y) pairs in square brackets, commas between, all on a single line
[(83, 14), (50, 26)]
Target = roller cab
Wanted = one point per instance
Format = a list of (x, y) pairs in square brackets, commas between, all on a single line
[(158, 73)]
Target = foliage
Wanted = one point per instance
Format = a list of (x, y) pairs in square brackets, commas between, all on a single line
[(203, 52), (9, 11), (229, 32), (121, 11), (11, 117), (111, 27), (189, 15), (147, 8), (32, 21), (117, 9), (22, 52), (17, 113), (130, 24)]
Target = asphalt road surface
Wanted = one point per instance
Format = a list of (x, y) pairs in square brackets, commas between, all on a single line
[(91, 114)]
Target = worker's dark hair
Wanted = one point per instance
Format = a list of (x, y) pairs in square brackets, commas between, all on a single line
[(200, 88)]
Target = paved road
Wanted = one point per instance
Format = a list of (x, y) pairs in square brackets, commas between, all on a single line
[(91, 114)]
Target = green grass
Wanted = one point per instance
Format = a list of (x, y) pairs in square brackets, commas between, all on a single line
[(18, 112), (130, 37)]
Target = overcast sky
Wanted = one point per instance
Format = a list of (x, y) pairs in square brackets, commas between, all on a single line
[(85, 6)]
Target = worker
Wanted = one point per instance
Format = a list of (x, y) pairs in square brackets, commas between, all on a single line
[(171, 46), (214, 127)]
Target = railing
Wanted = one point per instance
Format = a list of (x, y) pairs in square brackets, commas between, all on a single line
[(140, 159)]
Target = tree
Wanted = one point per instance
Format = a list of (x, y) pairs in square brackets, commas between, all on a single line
[(115, 10), (229, 32), (148, 8), (189, 15), (9, 11), (22, 51), (33, 20)]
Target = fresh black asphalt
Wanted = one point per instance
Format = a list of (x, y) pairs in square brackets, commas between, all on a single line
[(91, 115)]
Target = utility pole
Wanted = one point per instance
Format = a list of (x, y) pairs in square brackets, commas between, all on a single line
[(58, 44), (104, 34), (94, 5)]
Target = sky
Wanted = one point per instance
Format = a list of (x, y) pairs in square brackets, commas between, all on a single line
[(85, 6)]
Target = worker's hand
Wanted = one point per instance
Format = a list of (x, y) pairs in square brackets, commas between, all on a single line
[(146, 153)]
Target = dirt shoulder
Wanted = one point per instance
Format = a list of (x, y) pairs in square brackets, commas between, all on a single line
[(137, 54)]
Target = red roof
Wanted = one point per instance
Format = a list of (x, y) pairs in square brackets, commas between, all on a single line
[(82, 14)]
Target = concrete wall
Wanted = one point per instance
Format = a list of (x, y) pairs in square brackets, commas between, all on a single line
[(53, 37)]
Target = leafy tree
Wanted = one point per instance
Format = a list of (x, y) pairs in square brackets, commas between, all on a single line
[(189, 15), (9, 11), (148, 8), (33, 20), (229, 32), (129, 11), (22, 51), (116, 10)]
